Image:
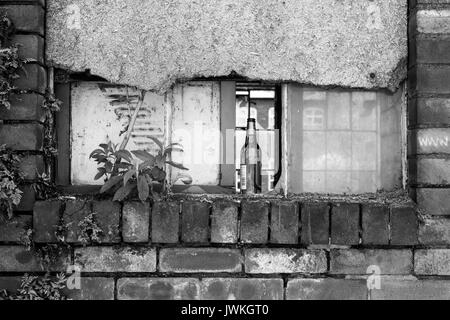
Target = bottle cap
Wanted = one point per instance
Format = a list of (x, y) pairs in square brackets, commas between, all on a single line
[(251, 120)]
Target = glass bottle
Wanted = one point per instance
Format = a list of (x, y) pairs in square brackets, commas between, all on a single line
[(250, 172)]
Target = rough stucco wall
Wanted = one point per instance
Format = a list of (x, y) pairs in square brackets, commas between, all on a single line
[(152, 43)]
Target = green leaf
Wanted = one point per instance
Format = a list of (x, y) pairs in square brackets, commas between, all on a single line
[(177, 165), (124, 154), (143, 188), (143, 155), (173, 148), (104, 146), (146, 165), (110, 183), (124, 191), (186, 179), (96, 152), (101, 173), (158, 174), (127, 176), (158, 142)]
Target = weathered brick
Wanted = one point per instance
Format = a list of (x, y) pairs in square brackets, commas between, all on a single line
[(26, 18), (136, 222), (435, 232), (352, 261), (30, 166), (13, 230), (433, 171), (108, 219), (33, 77), (26, 106), (345, 224), (46, 218), (242, 289), (395, 288), (28, 198), (326, 289), (404, 226), (434, 201), (112, 259), (315, 223), (18, 259), (165, 222), (284, 222), (268, 261), (196, 260), (430, 111), (195, 222), (432, 262), (375, 224), (22, 136), (224, 222), (433, 21), (31, 46), (74, 213), (432, 79), (10, 284), (92, 289), (254, 222), (429, 141), (158, 289)]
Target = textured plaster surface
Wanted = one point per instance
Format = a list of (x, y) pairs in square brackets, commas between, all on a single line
[(153, 43)]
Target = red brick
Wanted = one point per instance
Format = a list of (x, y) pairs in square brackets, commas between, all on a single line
[(30, 46), (224, 222), (375, 224), (108, 219), (74, 213), (434, 201), (433, 50), (13, 230), (165, 222), (353, 261), (18, 259), (10, 284), (46, 218), (254, 222), (158, 289), (326, 289), (136, 222), (28, 198), (27, 18), (429, 141), (315, 223), (433, 172), (404, 226), (195, 222), (432, 262), (198, 260), (26, 106), (435, 232), (33, 78), (23, 136), (92, 289), (274, 261), (411, 289), (112, 259), (242, 289), (284, 223), (431, 111), (345, 224), (31, 166), (433, 79)]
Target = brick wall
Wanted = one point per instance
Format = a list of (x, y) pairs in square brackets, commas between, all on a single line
[(186, 248)]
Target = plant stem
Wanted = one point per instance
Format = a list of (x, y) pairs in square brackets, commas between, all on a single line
[(127, 137)]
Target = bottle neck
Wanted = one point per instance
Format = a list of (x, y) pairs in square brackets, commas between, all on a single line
[(251, 130)]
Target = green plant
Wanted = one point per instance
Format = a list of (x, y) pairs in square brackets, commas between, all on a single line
[(38, 288), (26, 239), (44, 187), (10, 177), (50, 105), (90, 231), (126, 171)]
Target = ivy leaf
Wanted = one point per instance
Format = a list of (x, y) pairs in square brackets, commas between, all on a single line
[(124, 154), (143, 155), (123, 192), (177, 165), (101, 173), (143, 188), (110, 183)]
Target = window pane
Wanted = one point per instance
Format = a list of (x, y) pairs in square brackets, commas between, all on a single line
[(345, 141)]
